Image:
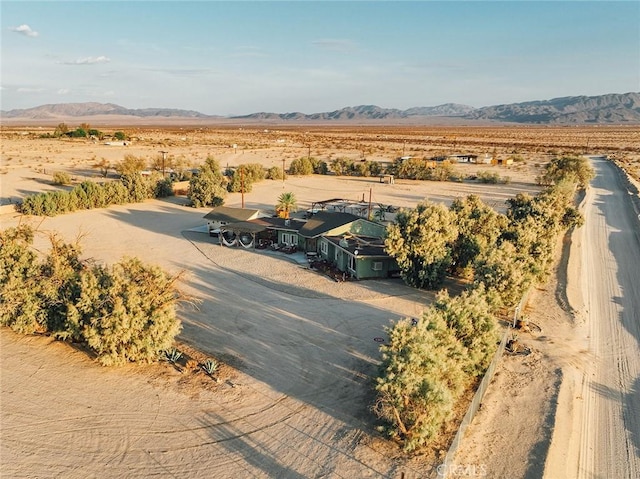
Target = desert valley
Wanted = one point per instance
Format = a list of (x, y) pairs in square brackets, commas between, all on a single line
[(298, 350)]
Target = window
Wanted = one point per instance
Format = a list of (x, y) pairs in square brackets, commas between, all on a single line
[(324, 247), (377, 266), (290, 238)]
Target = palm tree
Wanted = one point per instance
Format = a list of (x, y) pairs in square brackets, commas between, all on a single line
[(286, 203)]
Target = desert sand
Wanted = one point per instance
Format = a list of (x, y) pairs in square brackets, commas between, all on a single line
[(299, 349)]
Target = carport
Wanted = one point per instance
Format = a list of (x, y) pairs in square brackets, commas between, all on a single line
[(242, 233)]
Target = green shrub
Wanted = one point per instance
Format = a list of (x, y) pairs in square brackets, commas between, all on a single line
[(301, 166), (274, 173), (125, 313), (61, 178), (488, 177)]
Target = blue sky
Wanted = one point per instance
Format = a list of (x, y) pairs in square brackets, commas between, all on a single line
[(242, 57)]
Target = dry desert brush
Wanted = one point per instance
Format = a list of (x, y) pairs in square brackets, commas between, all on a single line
[(124, 313)]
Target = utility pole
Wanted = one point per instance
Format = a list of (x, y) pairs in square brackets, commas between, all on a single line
[(283, 173), (242, 184), (164, 159), (369, 212)]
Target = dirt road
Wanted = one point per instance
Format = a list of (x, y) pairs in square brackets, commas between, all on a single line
[(604, 437)]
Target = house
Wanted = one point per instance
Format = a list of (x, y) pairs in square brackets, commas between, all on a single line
[(502, 161), (224, 215), (352, 244), (280, 231), (359, 252), (464, 158), (324, 223)]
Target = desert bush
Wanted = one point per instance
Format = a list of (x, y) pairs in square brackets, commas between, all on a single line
[(125, 313), (274, 173), (61, 178), (301, 166), (208, 188), (341, 166), (20, 305), (131, 166), (485, 176), (163, 188), (319, 167)]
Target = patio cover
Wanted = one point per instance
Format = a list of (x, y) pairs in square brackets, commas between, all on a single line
[(244, 227)]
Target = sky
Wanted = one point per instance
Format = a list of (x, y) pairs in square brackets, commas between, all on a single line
[(240, 57)]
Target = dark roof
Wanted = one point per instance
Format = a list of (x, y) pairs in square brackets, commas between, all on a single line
[(326, 221), (366, 246), (244, 227), (280, 223), (230, 215)]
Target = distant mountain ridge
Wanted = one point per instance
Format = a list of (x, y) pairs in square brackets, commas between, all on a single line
[(52, 111), (610, 108), (366, 112)]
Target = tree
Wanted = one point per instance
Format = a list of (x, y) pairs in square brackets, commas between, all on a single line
[(319, 167), (421, 241), (420, 379), (120, 136), (470, 317), (572, 168), (287, 203), (479, 228), (208, 188), (504, 273), (123, 313)]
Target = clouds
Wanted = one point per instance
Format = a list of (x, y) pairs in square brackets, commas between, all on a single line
[(25, 30), (89, 60), (335, 45)]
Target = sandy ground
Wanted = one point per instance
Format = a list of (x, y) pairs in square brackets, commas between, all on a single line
[(301, 349), (598, 434)]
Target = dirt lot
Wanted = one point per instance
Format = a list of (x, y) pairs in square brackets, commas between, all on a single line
[(300, 349)]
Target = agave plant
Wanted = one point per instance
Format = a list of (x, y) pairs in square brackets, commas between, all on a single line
[(173, 355), (210, 366)]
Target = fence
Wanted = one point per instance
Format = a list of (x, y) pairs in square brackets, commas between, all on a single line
[(448, 464)]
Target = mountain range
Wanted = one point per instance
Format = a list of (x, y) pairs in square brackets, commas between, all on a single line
[(615, 108)]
